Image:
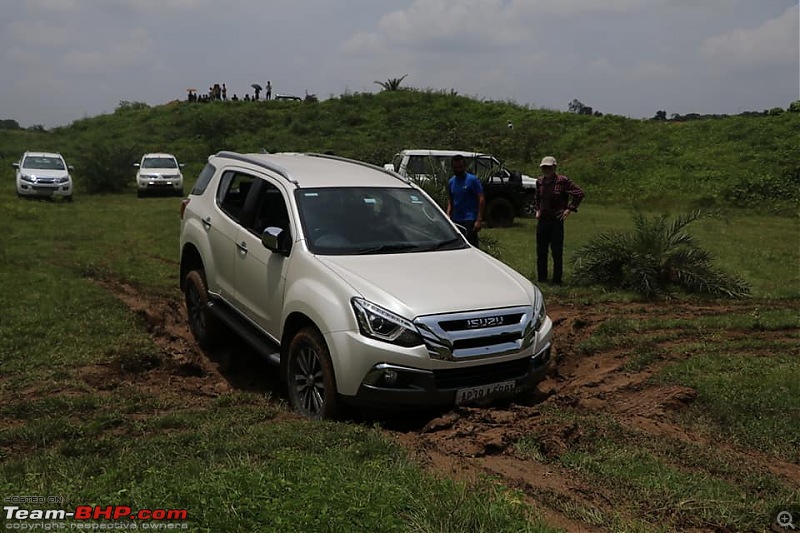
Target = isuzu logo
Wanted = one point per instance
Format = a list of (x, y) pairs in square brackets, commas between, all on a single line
[(484, 322)]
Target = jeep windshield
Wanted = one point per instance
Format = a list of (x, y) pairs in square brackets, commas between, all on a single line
[(159, 162), (361, 220), (43, 163)]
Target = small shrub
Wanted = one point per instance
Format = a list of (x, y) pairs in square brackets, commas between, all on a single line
[(107, 168), (657, 256), (775, 191)]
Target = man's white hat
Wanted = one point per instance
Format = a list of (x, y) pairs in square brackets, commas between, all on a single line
[(548, 161)]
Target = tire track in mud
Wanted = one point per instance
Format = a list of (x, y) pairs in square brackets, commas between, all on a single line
[(469, 443)]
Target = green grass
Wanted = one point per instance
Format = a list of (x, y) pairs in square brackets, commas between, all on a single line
[(749, 400), (231, 461), (239, 463)]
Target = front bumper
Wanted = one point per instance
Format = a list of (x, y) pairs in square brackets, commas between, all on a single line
[(437, 388), (161, 184), (44, 190)]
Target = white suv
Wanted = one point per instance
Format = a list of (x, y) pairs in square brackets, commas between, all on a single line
[(159, 172), (355, 284), (43, 174)]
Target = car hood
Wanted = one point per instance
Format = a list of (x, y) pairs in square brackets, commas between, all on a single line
[(528, 182), (44, 173), (416, 284)]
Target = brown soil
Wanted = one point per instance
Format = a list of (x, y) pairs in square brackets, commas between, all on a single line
[(472, 442)]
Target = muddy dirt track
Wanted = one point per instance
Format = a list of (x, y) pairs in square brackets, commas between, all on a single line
[(470, 443)]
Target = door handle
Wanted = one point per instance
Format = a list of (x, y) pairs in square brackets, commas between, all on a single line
[(242, 246), (206, 222)]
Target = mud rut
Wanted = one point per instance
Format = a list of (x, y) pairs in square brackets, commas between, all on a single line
[(470, 442)]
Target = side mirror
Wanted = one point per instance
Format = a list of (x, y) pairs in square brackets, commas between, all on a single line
[(15, 165), (388, 166), (70, 168), (182, 165), (274, 240), (136, 165)]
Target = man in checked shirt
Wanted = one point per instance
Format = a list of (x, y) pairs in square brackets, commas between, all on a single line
[(556, 198)]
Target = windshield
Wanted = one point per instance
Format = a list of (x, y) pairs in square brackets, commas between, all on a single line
[(360, 220), (43, 163), (160, 162)]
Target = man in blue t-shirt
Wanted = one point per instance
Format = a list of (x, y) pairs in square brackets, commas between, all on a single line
[(465, 202)]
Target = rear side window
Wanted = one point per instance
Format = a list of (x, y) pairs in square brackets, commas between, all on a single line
[(232, 193), (203, 179)]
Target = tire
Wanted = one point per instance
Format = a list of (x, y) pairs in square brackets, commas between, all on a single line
[(180, 192), (500, 213), (139, 193), (309, 376), (68, 198), (529, 205), (205, 326)]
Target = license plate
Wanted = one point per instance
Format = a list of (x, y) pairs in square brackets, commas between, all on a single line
[(44, 190), (484, 391)]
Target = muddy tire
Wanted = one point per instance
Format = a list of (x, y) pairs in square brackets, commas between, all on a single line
[(205, 326), (500, 213), (310, 381)]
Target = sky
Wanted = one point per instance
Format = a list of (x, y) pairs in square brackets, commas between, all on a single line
[(63, 60)]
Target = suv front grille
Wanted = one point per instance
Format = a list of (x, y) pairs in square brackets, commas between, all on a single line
[(474, 334), (481, 375)]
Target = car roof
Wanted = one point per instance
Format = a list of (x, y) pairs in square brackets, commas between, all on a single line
[(316, 170), (444, 153), (41, 154), (158, 155)]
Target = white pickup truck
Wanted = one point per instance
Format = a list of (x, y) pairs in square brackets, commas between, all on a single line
[(508, 194)]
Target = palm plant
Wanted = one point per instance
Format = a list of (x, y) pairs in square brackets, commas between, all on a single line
[(392, 84), (657, 256)]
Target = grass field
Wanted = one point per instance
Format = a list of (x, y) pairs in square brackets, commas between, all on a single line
[(677, 415), (95, 410)]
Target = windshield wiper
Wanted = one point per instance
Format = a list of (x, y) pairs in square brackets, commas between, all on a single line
[(396, 247), (445, 244)]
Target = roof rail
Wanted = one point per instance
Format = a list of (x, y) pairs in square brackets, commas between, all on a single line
[(259, 163), (362, 163)]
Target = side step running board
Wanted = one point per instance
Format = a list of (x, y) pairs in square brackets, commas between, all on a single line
[(265, 347)]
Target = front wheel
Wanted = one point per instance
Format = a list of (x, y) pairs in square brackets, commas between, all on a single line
[(309, 376), (68, 198)]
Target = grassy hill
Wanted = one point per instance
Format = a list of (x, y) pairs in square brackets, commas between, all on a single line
[(730, 161)]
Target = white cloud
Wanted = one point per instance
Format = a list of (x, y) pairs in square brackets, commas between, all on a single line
[(775, 42), (651, 72), (64, 6), (22, 57), (456, 25), (52, 5), (39, 34), (132, 50)]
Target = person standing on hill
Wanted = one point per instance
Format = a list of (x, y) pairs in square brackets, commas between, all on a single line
[(465, 201), (268, 91), (556, 198)]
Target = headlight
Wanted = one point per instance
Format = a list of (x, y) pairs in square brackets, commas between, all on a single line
[(63, 179), (378, 323), (29, 179), (541, 312)]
